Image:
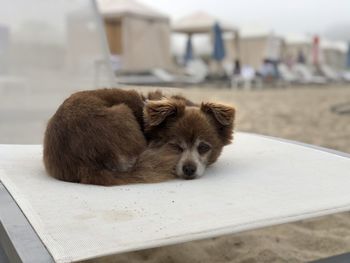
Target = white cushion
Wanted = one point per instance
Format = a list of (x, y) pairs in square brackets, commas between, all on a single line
[(257, 182)]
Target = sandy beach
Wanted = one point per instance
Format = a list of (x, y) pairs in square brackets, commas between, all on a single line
[(297, 113)]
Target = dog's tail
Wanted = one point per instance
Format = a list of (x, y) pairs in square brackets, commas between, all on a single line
[(153, 166)]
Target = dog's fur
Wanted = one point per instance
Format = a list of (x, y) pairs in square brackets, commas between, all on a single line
[(113, 137)]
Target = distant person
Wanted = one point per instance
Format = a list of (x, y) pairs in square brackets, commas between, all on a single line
[(267, 70), (289, 61), (236, 77), (237, 68), (301, 57)]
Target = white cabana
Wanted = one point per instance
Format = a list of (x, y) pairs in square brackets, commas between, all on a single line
[(334, 53), (138, 36), (295, 46), (201, 24), (256, 44)]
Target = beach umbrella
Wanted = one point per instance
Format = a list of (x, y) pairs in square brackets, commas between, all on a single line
[(348, 56), (189, 49), (219, 48)]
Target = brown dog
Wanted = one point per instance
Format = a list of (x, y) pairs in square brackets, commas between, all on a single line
[(113, 136)]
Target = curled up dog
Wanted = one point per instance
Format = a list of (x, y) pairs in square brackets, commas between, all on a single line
[(114, 137)]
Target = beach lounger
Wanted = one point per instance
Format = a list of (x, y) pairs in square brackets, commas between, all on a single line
[(161, 77), (286, 74), (257, 182), (195, 72), (305, 76), (329, 73)]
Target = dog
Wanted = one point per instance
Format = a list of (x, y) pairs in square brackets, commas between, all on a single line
[(114, 137)]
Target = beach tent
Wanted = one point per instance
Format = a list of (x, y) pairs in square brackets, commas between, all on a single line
[(297, 45), (257, 182), (201, 23), (138, 36), (256, 44), (334, 53)]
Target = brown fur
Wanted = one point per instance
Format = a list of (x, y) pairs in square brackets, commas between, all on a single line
[(113, 137), (211, 122)]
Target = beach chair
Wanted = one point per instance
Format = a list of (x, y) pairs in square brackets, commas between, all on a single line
[(162, 77), (305, 75), (345, 76), (196, 70), (258, 181), (329, 73), (246, 79), (286, 74)]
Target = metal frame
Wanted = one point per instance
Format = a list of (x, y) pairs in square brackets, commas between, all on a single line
[(18, 240), (20, 243), (343, 258), (3, 257)]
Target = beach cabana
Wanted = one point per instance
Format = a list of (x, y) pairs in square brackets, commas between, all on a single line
[(334, 54), (257, 44), (138, 36), (259, 181), (202, 23), (297, 49)]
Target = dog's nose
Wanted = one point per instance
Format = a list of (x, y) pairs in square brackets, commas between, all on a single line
[(189, 169)]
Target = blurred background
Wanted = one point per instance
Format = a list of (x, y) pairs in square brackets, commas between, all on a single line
[(285, 65)]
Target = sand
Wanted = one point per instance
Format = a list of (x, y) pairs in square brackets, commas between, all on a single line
[(297, 113), (302, 114)]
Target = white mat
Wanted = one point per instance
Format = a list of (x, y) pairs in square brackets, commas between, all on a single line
[(257, 182)]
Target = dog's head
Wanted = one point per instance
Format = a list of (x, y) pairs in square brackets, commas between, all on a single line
[(196, 133)]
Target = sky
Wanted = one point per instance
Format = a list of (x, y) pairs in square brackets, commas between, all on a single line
[(281, 16)]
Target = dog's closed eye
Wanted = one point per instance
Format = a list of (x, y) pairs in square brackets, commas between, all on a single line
[(177, 147), (203, 148)]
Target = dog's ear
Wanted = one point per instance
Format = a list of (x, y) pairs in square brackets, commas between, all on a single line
[(223, 116), (156, 112), (155, 95)]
